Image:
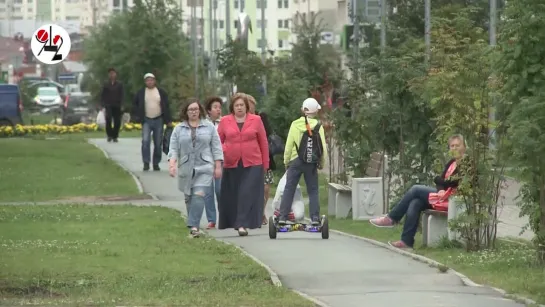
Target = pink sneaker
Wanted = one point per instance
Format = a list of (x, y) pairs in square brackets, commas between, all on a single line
[(399, 244), (383, 222)]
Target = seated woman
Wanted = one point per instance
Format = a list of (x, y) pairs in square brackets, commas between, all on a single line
[(416, 200)]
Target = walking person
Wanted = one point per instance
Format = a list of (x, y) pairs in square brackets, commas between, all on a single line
[(195, 155), (305, 153), (152, 109), (112, 96), (213, 108), (269, 177), (246, 158)]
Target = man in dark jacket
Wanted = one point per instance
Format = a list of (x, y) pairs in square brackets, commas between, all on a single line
[(152, 110), (112, 101)]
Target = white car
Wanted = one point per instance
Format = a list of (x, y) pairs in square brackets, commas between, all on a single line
[(48, 97)]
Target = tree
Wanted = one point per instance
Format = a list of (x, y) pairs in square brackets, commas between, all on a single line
[(148, 38), (521, 70)]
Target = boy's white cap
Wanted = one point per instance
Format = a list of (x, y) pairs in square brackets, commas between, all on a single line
[(149, 75), (311, 105)]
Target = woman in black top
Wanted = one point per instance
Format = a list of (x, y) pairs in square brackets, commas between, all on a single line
[(269, 178), (416, 199)]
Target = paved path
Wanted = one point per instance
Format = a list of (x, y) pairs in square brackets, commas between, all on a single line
[(341, 271)]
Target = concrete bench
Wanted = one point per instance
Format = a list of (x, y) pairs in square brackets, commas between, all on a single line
[(435, 224), (364, 199)]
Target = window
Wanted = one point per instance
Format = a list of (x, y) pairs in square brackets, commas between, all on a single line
[(280, 44), (287, 23), (259, 25), (222, 24), (280, 23), (236, 24), (279, 4), (283, 23), (117, 3), (236, 4), (261, 43), (215, 4), (286, 4), (261, 3)]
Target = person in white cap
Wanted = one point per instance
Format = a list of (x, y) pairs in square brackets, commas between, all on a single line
[(152, 110), (304, 154)]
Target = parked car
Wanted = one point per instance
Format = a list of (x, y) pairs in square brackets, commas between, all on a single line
[(11, 105), (48, 97), (78, 109)]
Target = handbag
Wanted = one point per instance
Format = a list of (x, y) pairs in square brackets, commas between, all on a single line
[(166, 139), (276, 144), (438, 202)]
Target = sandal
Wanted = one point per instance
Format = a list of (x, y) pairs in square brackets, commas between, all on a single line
[(265, 221), (242, 232)]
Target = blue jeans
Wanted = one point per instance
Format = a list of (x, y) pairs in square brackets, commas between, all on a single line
[(411, 205), (195, 205), (209, 201), (152, 126)]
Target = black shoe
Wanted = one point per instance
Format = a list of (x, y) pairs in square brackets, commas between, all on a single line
[(146, 166), (156, 167), (115, 140), (315, 221), (109, 139)]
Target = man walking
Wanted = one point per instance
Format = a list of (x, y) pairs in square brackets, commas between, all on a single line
[(151, 107), (112, 101)]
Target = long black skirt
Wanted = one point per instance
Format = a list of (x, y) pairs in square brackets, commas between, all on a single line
[(241, 198)]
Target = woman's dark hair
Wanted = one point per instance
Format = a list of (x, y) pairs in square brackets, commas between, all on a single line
[(236, 97), (111, 69), (183, 109), (211, 100)]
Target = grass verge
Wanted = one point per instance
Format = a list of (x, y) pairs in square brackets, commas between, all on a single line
[(123, 255), (511, 266), (40, 169)]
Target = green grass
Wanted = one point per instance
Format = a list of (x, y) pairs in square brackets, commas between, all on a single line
[(511, 266), (38, 169), (76, 255)]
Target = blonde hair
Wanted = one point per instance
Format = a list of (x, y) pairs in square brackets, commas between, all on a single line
[(251, 99)]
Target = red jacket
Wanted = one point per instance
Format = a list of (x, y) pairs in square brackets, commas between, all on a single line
[(250, 144)]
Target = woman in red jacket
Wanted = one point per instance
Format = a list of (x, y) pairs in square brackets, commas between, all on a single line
[(246, 158)]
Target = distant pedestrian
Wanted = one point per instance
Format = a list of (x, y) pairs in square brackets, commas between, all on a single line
[(152, 109), (246, 153), (195, 154), (213, 108), (111, 98), (269, 177)]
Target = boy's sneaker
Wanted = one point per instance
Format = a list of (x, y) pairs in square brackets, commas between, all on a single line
[(315, 221), (283, 221)]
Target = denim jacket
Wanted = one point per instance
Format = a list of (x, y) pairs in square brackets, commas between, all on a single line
[(195, 163)]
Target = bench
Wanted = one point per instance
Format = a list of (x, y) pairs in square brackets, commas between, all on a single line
[(365, 200), (435, 224)]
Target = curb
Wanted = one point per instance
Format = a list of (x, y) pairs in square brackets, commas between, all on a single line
[(134, 177), (465, 280)]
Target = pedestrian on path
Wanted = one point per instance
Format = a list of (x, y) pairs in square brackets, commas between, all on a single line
[(213, 108), (305, 153), (246, 152), (111, 98), (152, 109), (269, 177), (195, 154), (417, 198)]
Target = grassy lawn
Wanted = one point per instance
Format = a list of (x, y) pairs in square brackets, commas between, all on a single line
[(510, 267), (40, 169), (76, 255)]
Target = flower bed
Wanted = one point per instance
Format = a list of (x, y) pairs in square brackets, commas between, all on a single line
[(21, 130)]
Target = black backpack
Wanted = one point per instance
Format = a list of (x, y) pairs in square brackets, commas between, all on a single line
[(310, 148)]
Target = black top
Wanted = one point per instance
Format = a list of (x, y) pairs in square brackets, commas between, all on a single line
[(268, 131), (442, 183), (112, 94)]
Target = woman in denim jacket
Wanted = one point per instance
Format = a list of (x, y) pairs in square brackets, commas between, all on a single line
[(195, 154)]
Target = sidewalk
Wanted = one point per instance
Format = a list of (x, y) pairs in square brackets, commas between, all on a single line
[(341, 271)]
